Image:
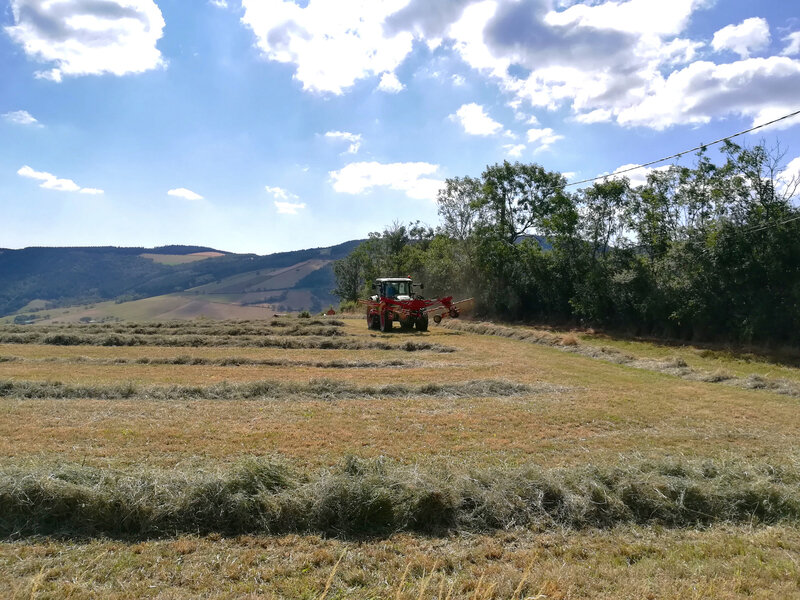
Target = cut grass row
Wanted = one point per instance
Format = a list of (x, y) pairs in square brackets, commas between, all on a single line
[(676, 366), (196, 341), (325, 389), (207, 326), (377, 498), (67, 334), (230, 361)]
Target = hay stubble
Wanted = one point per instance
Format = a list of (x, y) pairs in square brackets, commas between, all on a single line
[(579, 411)]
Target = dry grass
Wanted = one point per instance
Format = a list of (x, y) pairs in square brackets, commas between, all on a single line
[(593, 409), (741, 363), (674, 365), (625, 563), (578, 410), (569, 340)]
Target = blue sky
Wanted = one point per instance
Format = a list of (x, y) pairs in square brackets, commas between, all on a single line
[(269, 125)]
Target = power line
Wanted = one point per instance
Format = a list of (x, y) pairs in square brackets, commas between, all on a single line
[(679, 154), (703, 242), (769, 224)]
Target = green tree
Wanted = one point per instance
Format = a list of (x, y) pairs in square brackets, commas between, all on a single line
[(349, 273), (519, 197), (459, 204)]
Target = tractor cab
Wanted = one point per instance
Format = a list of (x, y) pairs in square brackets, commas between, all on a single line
[(395, 288)]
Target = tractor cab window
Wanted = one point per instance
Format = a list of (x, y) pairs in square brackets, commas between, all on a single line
[(393, 289)]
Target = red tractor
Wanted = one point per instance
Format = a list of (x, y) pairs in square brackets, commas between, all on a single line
[(395, 300)]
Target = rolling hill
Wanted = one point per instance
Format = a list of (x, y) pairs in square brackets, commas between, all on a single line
[(45, 284)]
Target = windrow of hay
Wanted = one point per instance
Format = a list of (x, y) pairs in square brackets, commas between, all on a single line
[(229, 327), (324, 389), (673, 366), (228, 361), (136, 338), (377, 497), (208, 341)]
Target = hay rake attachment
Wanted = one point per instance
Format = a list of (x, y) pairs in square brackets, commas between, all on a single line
[(395, 301)]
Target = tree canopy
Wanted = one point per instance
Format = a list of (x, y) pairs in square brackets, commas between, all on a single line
[(708, 251)]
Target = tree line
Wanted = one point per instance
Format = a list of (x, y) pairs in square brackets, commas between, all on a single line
[(705, 252)]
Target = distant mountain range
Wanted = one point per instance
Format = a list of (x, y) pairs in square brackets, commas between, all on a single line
[(96, 283)]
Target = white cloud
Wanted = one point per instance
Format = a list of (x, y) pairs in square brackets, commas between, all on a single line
[(545, 137), (219, 3), (599, 56), (468, 37), (475, 121), (748, 36), (280, 193), (458, 80), (331, 44), (289, 208), (354, 139), (81, 37), (771, 113), (282, 201), (514, 150), (427, 20), (21, 117), (390, 84), (637, 16), (637, 176), (51, 182), (595, 116), (27, 171), (411, 178), (185, 194), (792, 44), (623, 61), (789, 178), (616, 61), (755, 87)]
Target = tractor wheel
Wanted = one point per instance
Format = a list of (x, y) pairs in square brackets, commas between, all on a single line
[(386, 322), (407, 324), (373, 322), (422, 323)]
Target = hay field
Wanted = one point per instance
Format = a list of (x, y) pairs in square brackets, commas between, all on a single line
[(297, 458), (180, 259)]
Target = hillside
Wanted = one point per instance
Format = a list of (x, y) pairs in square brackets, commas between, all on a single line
[(71, 283)]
